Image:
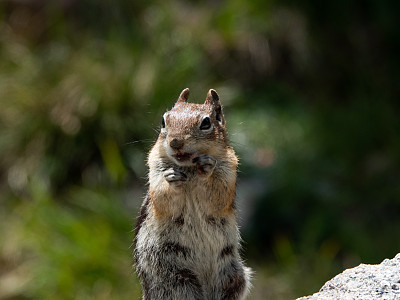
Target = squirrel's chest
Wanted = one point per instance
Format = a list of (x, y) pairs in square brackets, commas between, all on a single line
[(197, 226), (193, 239), (199, 234), (203, 235)]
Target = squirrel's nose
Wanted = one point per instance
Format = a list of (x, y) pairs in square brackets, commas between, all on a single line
[(176, 144)]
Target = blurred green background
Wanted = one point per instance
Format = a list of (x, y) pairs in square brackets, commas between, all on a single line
[(311, 96)]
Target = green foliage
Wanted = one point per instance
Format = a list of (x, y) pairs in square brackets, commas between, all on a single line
[(310, 93), (78, 250)]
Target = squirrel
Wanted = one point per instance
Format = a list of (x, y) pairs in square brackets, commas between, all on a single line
[(187, 241)]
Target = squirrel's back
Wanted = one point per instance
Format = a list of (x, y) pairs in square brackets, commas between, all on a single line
[(186, 236)]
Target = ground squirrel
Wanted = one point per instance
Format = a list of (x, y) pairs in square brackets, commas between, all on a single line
[(186, 243)]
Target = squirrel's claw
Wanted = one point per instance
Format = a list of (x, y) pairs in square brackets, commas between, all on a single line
[(205, 164), (174, 176)]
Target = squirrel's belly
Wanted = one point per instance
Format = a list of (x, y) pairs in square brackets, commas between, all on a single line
[(206, 236), (193, 246), (193, 239)]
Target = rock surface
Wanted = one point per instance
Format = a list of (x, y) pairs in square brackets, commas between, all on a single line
[(364, 282)]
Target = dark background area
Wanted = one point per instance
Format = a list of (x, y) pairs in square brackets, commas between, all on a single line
[(311, 96)]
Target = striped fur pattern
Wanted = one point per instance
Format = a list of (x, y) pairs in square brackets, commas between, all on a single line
[(186, 237)]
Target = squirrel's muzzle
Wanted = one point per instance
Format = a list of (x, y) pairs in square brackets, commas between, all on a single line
[(176, 144)]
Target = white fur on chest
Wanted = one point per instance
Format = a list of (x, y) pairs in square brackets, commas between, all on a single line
[(202, 233)]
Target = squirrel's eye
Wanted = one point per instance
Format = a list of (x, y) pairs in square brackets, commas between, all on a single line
[(163, 123), (205, 124)]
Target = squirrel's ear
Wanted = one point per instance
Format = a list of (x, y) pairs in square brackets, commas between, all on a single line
[(213, 99), (184, 96)]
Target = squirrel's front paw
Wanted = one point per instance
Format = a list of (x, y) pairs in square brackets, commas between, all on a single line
[(205, 164), (174, 176)]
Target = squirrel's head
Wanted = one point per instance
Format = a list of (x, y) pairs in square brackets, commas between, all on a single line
[(189, 129)]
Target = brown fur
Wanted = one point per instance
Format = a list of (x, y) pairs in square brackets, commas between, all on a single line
[(187, 241)]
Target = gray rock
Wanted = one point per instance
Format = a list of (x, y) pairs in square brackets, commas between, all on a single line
[(364, 282)]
